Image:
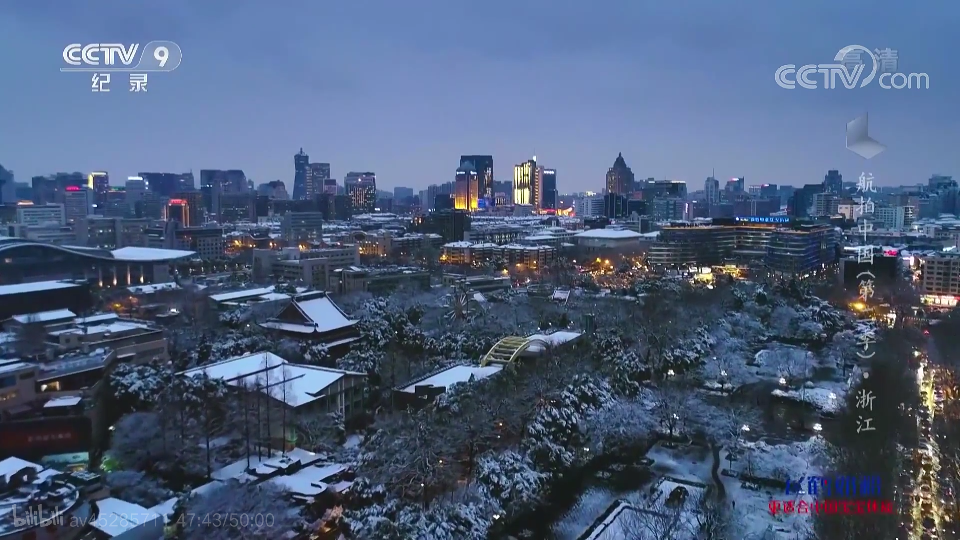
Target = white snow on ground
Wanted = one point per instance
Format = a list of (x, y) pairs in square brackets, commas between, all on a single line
[(591, 505), (823, 398), (692, 464), (794, 460), (353, 441)]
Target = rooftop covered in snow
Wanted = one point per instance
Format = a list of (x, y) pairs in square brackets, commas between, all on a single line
[(145, 254), (453, 375), (609, 234), (293, 384), (311, 313), (21, 288)]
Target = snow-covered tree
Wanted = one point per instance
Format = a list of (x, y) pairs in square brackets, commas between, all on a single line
[(512, 479), (136, 487), (235, 510), (136, 387), (623, 425)]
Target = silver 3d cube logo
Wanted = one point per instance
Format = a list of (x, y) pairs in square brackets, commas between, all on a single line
[(859, 140)]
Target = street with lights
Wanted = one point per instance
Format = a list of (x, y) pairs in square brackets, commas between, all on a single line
[(927, 491)]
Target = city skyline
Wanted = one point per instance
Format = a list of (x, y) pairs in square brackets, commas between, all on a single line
[(692, 93)]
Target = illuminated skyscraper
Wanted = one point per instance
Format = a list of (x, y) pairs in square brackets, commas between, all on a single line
[(317, 175), (466, 187), (361, 188), (527, 184), (620, 177), (99, 182), (484, 167)]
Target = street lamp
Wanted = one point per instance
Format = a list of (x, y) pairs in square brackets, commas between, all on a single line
[(817, 427)]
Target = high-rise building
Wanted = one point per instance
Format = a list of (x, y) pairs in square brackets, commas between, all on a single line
[(8, 191), (135, 188), (527, 185), (734, 186), (833, 182), (99, 182), (550, 197), (162, 184), (620, 177), (301, 164), (401, 193), (711, 190), (330, 186), (317, 175), (361, 188), (193, 201), (44, 189), (466, 187), (179, 210), (77, 203), (484, 167)]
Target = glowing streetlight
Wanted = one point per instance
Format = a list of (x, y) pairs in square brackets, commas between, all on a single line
[(670, 373), (745, 428), (783, 382), (818, 428), (916, 354)]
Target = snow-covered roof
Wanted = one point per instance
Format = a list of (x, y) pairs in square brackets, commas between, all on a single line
[(237, 295), (294, 384), (309, 481), (155, 287), (117, 516), (613, 234), (145, 254), (20, 288), (453, 375), (320, 315), (555, 339), (13, 465), (12, 366), (65, 401), (99, 317), (45, 316)]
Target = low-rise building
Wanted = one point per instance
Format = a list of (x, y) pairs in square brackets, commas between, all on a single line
[(316, 317), (38, 503), (381, 280), (301, 389)]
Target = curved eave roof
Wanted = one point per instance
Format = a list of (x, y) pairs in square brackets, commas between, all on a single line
[(129, 254)]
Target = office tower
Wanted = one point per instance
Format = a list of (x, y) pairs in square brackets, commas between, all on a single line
[(527, 185), (833, 182), (939, 182), (361, 188), (187, 182), (801, 201), (401, 193), (301, 164), (8, 191), (619, 177), (484, 167), (317, 175), (99, 183), (549, 181), (466, 187), (193, 203), (77, 203), (236, 181), (135, 189), (734, 186), (162, 184), (711, 190), (769, 191), (178, 210), (330, 186)]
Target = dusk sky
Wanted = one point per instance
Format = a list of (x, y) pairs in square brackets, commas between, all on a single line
[(404, 88)]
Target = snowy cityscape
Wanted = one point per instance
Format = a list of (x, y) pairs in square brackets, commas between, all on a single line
[(534, 271)]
